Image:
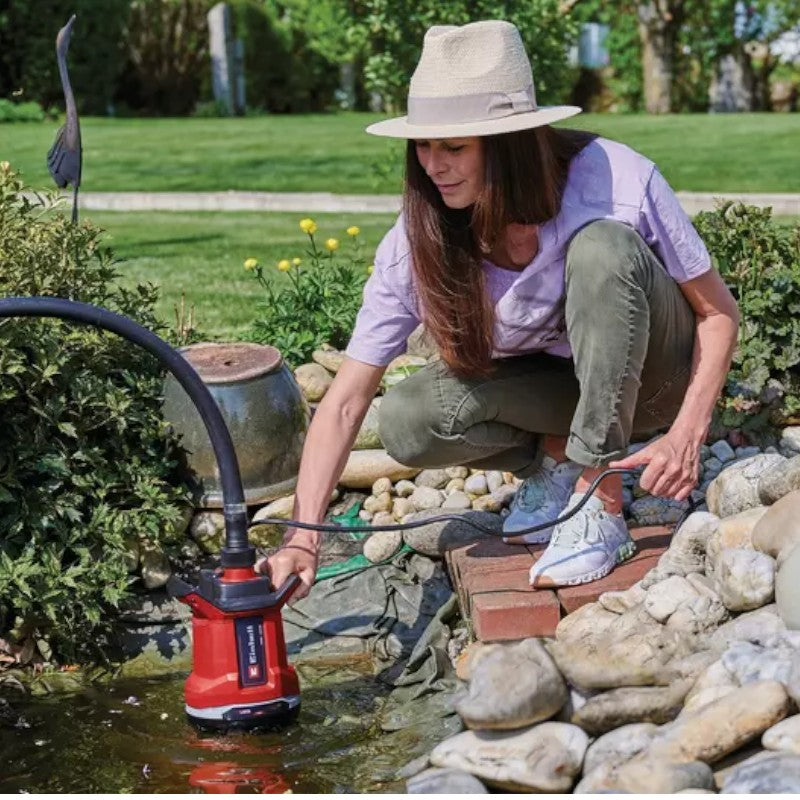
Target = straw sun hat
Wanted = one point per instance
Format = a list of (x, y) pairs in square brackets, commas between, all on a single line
[(471, 80)]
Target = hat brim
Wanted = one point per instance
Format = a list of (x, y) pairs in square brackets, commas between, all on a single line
[(400, 128)]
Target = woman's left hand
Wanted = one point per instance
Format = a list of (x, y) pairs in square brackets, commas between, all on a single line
[(673, 465)]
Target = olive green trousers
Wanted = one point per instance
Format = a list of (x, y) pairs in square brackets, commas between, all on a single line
[(631, 332)]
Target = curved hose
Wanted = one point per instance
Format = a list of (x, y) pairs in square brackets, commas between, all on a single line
[(237, 551)]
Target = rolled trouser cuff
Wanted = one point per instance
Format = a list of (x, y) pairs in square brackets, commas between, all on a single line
[(577, 451)]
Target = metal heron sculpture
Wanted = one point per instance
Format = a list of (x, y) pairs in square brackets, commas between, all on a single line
[(65, 157)]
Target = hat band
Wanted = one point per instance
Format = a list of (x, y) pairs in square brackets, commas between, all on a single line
[(470, 108)]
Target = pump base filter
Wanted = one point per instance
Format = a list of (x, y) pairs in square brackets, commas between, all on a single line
[(275, 714)]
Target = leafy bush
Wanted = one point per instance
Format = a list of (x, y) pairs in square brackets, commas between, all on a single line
[(86, 462), (318, 305), (20, 112), (760, 262)]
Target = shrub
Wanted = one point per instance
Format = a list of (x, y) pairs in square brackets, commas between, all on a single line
[(760, 262), (86, 462), (318, 305), (20, 112)]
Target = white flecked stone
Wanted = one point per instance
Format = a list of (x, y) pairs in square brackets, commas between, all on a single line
[(619, 745), (476, 485), (735, 489), (435, 478), (744, 579), (663, 598), (425, 498), (404, 488), (783, 736), (543, 758), (380, 486), (382, 545), (457, 501), (457, 472), (494, 480)]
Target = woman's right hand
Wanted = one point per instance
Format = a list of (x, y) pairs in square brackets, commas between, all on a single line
[(297, 556)]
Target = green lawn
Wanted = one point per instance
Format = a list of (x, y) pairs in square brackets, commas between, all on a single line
[(702, 152), (201, 254)]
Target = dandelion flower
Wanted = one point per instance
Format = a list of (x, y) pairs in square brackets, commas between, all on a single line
[(308, 226), (250, 263), (370, 269), (332, 244), (353, 230), (297, 261), (284, 265)]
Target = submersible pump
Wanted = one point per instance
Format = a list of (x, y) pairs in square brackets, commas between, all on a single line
[(241, 678)]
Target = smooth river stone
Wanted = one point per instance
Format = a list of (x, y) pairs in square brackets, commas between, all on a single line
[(633, 650), (744, 579), (437, 538), (609, 710), (643, 775), (664, 597), (787, 589), (314, 381), (330, 359), (779, 481), (364, 467), (382, 545), (778, 531), (736, 487), (543, 758), (772, 773), (435, 478), (721, 727), (539, 690), (687, 550), (784, 736), (751, 625), (456, 501), (619, 745), (444, 781), (425, 498)]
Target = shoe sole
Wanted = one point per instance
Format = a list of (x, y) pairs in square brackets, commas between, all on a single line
[(623, 553)]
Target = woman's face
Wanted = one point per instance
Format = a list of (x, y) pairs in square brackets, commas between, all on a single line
[(455, 166)]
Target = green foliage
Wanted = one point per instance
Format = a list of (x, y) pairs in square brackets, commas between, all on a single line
[(289, 61), (390, 33), (85, 458), (760, 262), (318, 305), (28, 58), (20, 112)]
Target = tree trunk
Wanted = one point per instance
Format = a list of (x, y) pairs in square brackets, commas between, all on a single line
[(734, 86), (658, 25)]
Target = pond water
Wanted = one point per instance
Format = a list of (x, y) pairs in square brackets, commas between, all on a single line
[(132, 736)]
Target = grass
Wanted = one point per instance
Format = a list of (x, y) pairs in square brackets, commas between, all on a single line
[(298, 153), (201, 255)]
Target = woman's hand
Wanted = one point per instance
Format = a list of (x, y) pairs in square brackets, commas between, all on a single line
[(673, 465), (297, 556)]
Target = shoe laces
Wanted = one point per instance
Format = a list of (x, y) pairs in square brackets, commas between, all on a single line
[(578, 528)]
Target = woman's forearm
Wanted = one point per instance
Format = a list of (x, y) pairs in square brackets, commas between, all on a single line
[(715, 341), (330, 436)]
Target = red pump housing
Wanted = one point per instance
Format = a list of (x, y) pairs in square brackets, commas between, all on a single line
[(241, 678)]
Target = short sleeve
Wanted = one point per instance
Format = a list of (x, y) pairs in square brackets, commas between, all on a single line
[(667, 229), (385, 321)]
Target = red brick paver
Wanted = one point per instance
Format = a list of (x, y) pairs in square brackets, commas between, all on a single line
[(491, 579)]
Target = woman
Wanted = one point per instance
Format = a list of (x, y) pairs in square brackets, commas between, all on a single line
[(572, 302)]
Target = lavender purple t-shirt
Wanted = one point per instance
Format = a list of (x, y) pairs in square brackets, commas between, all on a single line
[(607, 180)]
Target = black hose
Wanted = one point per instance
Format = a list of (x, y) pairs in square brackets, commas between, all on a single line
[(237, 551)]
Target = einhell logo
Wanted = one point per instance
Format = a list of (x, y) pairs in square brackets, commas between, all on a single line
[(250, 647)]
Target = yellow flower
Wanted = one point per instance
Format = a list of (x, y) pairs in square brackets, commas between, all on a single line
[(297, 261), (308, 226), (284, 265), (250, 263), (332, 244), (353, 230), (370, 269)]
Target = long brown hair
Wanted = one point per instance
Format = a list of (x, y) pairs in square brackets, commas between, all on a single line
[(524, 179)]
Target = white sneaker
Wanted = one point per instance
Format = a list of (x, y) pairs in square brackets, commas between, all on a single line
[(583, 548), (540, 497)]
